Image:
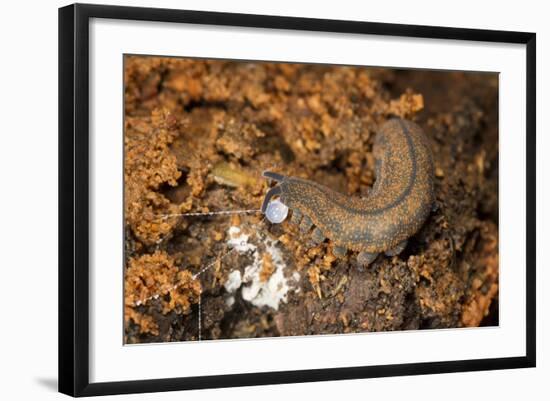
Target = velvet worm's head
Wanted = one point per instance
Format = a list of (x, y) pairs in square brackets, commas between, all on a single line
[(274, 209)]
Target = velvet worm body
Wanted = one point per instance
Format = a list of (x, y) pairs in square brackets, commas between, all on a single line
[(395, 209)]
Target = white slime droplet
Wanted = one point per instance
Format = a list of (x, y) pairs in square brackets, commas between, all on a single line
[(276, 211)]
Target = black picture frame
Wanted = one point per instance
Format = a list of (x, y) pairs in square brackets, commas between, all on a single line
[(74, 198)]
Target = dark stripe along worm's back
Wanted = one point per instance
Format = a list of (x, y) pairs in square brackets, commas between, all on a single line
[(395, 209)]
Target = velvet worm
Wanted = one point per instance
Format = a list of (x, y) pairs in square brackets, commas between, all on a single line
[(396, 207)]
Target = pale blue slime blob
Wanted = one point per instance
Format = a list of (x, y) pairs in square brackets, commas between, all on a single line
[(276, 211)]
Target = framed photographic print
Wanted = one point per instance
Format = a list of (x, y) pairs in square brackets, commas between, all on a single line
[(249, 199)]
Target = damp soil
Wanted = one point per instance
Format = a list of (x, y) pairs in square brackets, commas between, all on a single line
[(198, 135)]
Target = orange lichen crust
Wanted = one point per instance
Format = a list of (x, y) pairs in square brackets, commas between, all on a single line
[(149, 164), (408, 105), (483, 291), (152, 277), (267, 267)]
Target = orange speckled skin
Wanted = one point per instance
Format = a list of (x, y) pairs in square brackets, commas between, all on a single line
[(397, 206)]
